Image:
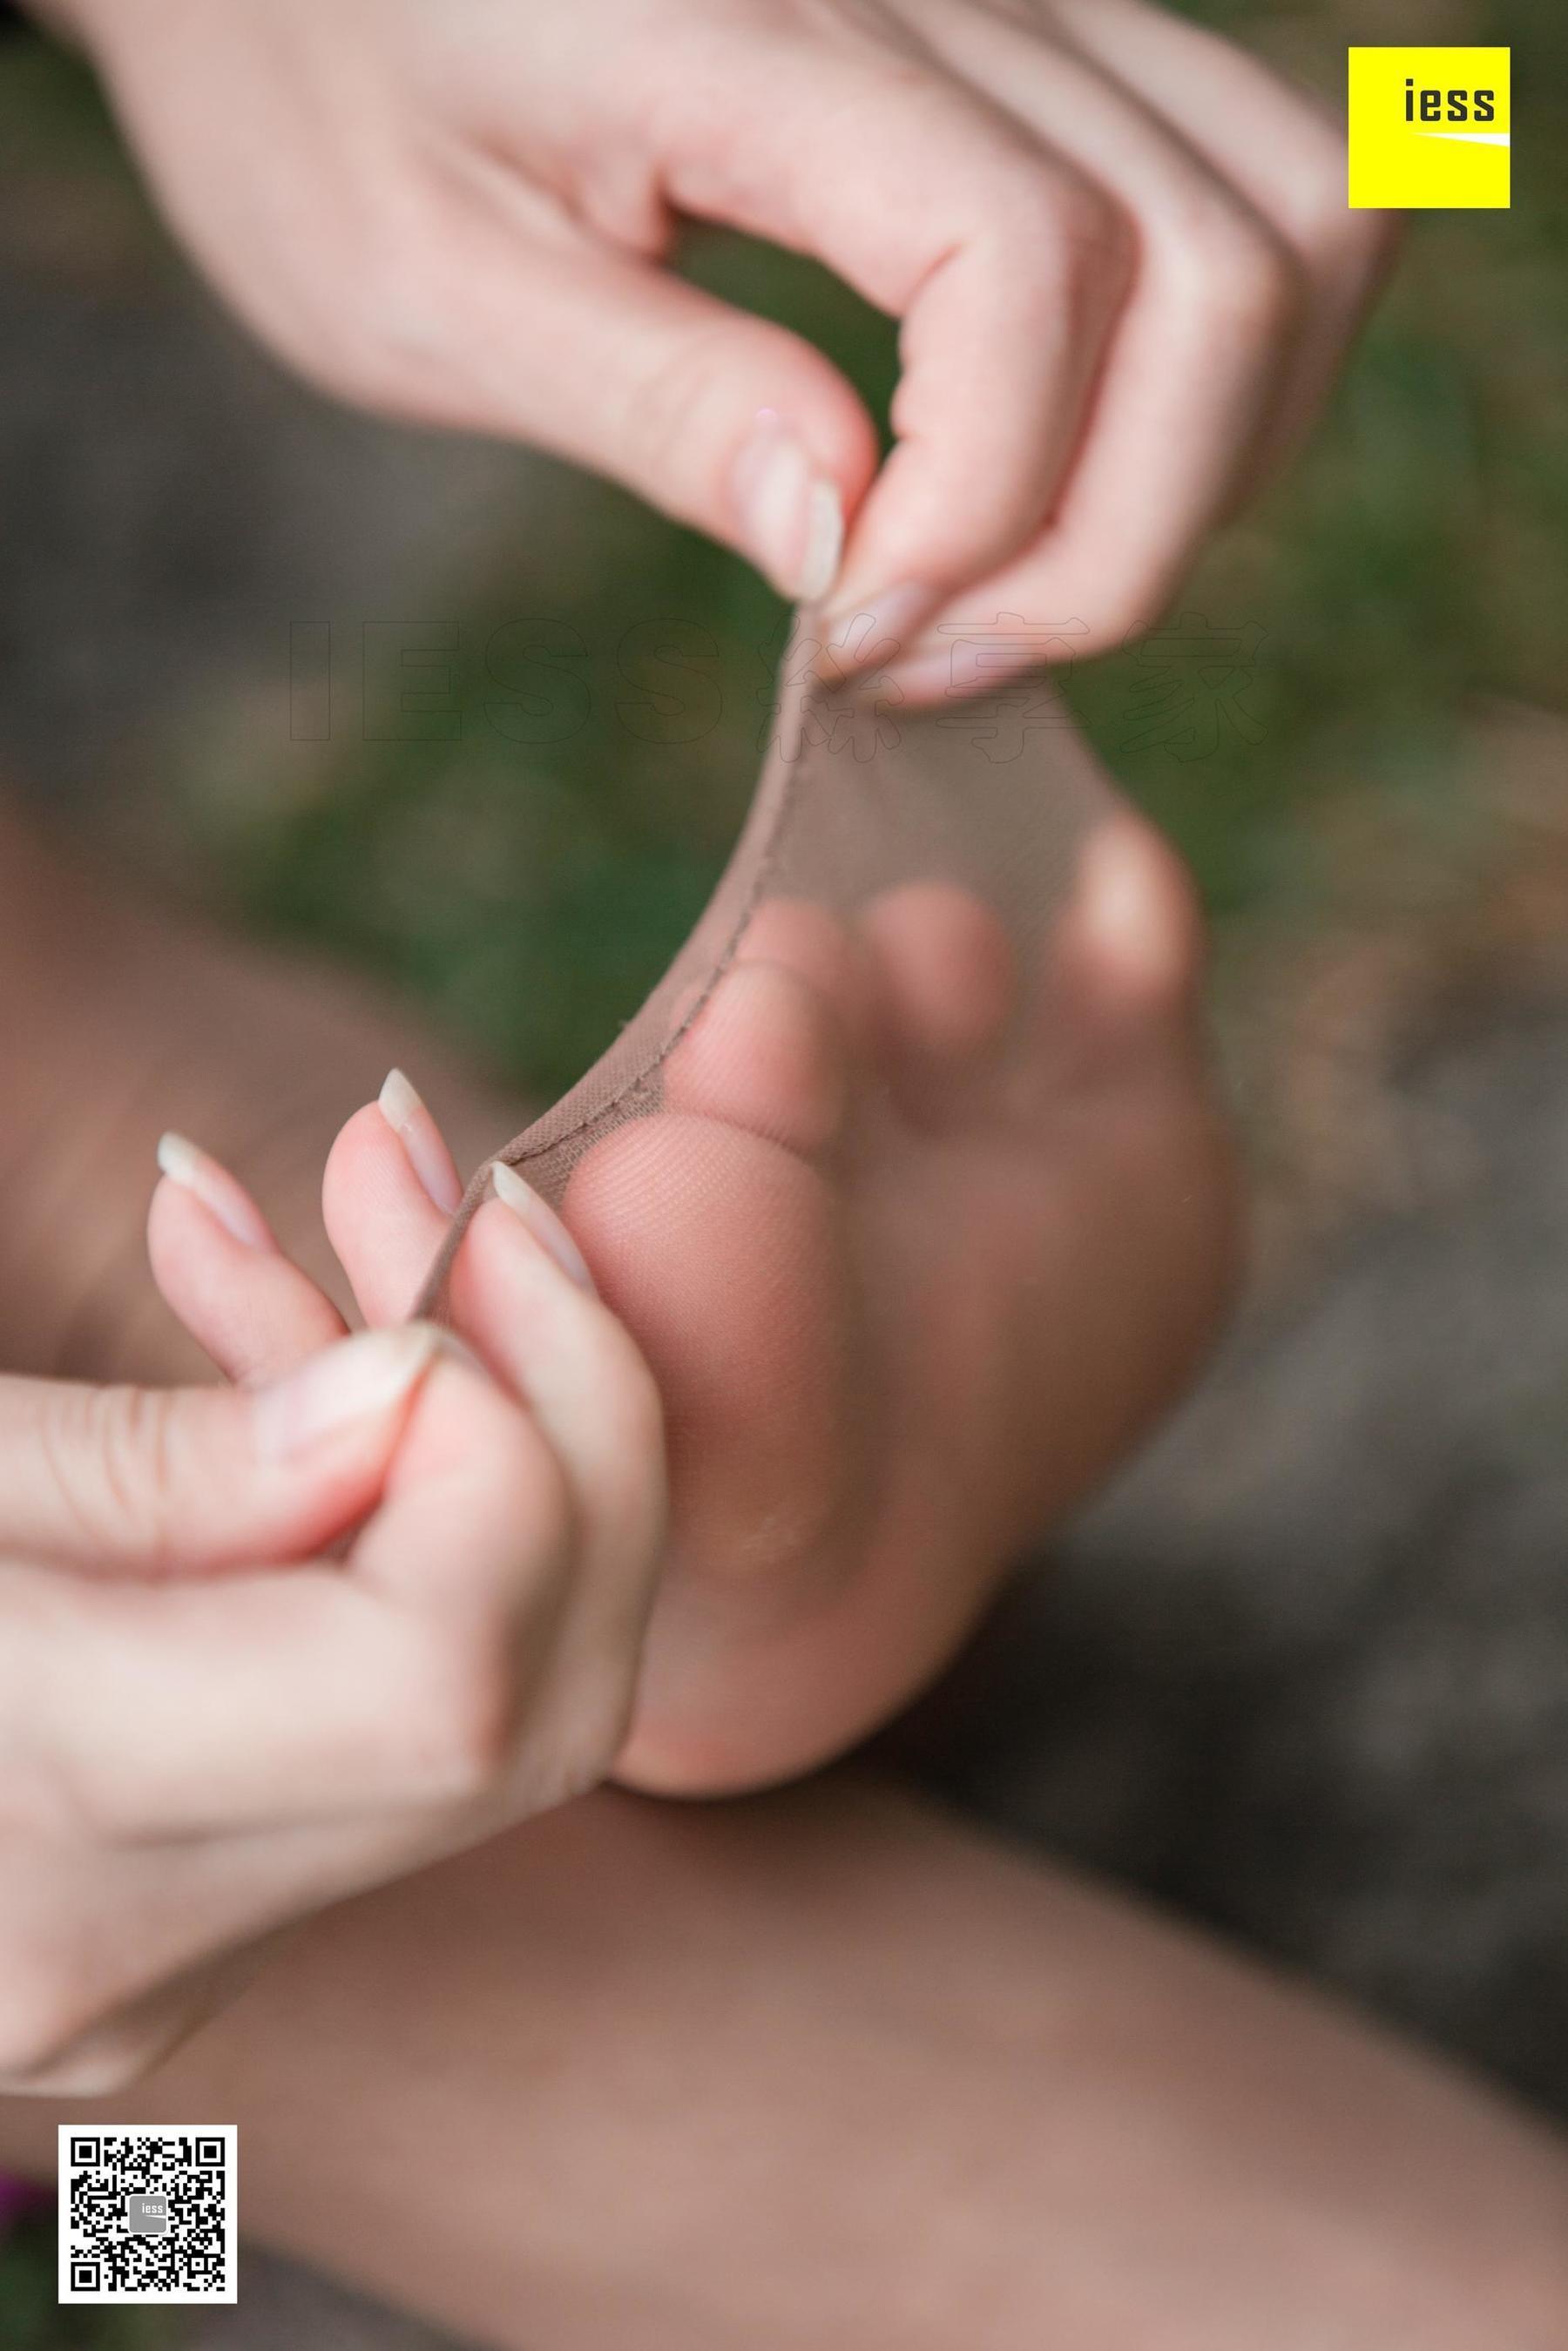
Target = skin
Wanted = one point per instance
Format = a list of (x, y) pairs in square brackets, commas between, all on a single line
[(344, 1622), (915, 1249), (856, 2073), (1038, 194), (468, 231), (1118, 248), (1084, 1165), (827, 2067)]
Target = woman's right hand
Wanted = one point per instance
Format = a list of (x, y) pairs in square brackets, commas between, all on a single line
[(263, 1647)]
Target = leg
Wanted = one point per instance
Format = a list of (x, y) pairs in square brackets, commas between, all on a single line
[(826, 2068)]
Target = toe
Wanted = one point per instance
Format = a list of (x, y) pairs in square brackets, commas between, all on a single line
[(766, 1053), (804, 937), (1126, 965), (810, 940), (724, 1256), (947, 971)]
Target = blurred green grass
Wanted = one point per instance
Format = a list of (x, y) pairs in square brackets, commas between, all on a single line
[(32, 2320), (529, 871)]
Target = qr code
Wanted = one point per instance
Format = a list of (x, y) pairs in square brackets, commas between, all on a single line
[(148, 2214)]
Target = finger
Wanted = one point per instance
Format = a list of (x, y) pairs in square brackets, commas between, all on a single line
[(105, 2022), (1005, 263), (721, 418), (396, 1681), (424, 1144), (489, 302), (1194, 373), (384, 1216), (522, 1298), (109, 1973), (220, 1269), (1280, 146), (166, 1482)]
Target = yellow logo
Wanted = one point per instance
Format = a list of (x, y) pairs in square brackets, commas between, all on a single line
[(1430, 126)]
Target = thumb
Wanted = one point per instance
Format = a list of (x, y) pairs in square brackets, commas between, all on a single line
[(180, 1480), (722, 419)]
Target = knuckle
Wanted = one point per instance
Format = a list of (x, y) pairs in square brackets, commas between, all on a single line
[(127, 1494), (1098, 234), (1076, 234), (1250, 284), (674, 411)]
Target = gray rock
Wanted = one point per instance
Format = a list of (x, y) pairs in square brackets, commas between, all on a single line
[(1304, 1672)]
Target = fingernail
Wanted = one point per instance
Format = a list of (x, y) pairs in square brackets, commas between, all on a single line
[(351, 1381), (542, 1222), (219, 1193), (792, 518), (824, 542), (420, 1136), (880, 629)]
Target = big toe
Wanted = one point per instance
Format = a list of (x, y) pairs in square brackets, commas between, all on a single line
[(725, 1257)]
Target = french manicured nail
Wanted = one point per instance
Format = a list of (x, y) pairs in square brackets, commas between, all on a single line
[(198, 1172), (353, 1380), (792, 518), (542, 1222), (420, 1136)]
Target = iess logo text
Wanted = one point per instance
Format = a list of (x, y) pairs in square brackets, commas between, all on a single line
[(1429, 127)]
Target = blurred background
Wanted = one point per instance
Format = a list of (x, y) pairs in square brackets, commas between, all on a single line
[(413, 702)]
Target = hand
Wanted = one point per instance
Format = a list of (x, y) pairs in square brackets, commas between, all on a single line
[(261, 1648), (1119, 247), (899, 1325)]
